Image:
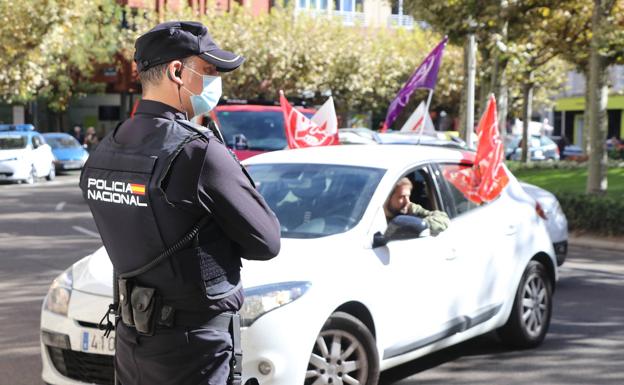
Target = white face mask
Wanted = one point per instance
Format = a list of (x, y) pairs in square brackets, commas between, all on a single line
[(209, 96)]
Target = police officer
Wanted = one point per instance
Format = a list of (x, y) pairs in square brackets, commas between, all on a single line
[(176, 213)]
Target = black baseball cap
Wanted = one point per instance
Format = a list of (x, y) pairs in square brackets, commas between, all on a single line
[(180, 39)]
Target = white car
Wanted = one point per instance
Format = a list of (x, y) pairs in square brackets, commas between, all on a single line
[(349, 296), (24, 155), (556, 221)]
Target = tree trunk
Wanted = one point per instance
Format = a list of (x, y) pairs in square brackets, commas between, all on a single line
[(500, 85), (598, 95), (585, 143), (464, 96), (527, 103)]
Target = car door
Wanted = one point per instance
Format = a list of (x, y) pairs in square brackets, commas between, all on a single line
[(39, 155), (420, 288), (482, 244)]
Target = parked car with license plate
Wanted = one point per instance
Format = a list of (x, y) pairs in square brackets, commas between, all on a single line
[(348, 296), (68, 153)]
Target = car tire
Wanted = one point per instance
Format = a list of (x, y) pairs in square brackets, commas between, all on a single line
[(52, 173), (32, 176), (344, 352), (532, 309)]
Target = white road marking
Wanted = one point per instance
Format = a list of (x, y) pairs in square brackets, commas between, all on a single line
[(86, 232), (60, 206)]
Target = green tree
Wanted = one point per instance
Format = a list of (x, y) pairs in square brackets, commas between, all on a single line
[(52, 48), (363, 68)]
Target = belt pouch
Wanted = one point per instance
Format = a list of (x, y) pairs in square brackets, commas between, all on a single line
[(144, 303), (125, 288)]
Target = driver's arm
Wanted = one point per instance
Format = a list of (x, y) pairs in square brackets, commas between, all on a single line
[(438, 221)]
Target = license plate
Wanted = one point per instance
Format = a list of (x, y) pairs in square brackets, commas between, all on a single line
[(95, 342), (71, 165)]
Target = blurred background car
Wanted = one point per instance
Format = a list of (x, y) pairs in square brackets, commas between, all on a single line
[(69, 154), (540, 148), (24, 154), (252, 127), (440, 140), (358, 135)]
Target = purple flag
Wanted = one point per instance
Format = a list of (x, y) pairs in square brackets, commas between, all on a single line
[(425, 76)]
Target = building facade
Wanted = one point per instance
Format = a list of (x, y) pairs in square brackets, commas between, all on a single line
[(569, 114)]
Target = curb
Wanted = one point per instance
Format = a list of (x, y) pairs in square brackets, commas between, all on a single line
[(598, 242)]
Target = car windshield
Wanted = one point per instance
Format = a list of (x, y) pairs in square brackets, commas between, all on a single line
[(261, 130), (316, 200), (62, 142), (12, 142)]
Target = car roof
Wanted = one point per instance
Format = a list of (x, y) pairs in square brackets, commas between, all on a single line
[(366, 155), (255, 108), (53, 134), (18, 133)]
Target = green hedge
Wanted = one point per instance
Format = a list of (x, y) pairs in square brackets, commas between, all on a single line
[(557, 165), (602, 215)]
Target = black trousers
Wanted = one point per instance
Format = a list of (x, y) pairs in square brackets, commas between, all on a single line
[(180, 356)]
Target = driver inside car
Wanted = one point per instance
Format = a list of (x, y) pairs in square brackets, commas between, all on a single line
[(399, 203)]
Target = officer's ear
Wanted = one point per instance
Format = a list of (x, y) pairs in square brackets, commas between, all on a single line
[(174, 72)]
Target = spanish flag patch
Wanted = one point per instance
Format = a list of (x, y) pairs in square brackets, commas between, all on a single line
[(137, 189)]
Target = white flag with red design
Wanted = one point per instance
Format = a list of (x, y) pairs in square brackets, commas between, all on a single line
[(419, 121), (320, 130)]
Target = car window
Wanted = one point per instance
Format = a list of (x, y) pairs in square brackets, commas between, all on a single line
[(261, 130), (36, 141), (535, 142), (546, 141), (459, 200), (62, 142), (12, 142), (315, 200), (423, 191)]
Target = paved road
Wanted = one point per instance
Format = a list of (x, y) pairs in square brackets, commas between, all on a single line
[(46, 227)]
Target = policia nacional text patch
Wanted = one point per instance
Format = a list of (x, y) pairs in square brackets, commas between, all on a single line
[(116, 192)]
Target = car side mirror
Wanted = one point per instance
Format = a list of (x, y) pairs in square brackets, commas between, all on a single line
[(401, 227)]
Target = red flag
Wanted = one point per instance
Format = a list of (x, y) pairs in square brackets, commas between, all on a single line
[(303, 132), (487, 178)]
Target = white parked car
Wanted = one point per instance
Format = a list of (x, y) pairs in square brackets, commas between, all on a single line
[(347, 297), (24, 154)]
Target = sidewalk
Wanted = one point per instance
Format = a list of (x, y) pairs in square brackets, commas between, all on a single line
[(599, 242)]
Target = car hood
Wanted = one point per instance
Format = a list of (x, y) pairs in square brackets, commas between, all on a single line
[(94, 274), (8, 154), (302, 260), (298, 260), (68, 153)]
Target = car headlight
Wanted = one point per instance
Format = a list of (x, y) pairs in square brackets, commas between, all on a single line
[(57, 299), (260, 300)]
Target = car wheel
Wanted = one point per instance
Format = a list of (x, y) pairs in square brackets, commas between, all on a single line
[(32, 176), (532, 309), (52, 173), (344, 353)]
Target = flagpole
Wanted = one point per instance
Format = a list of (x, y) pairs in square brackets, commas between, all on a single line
[(424, 123)]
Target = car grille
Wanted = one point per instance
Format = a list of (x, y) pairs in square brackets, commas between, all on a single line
[(85, 367), (6, 174)]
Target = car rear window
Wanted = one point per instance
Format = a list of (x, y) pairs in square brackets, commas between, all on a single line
[(261, 130), (62, 142), (12, 142)]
